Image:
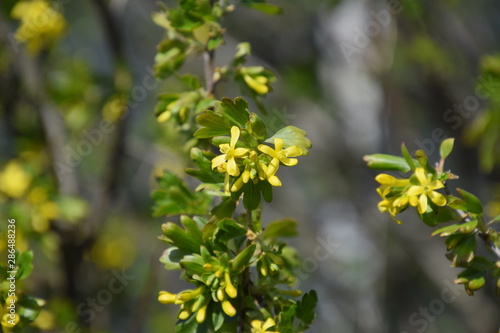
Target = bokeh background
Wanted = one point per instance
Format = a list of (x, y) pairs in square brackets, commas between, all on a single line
[(360, 76)]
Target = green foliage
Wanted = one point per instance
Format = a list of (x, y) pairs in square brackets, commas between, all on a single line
[(242, 273), (420, 190), (26, 307)]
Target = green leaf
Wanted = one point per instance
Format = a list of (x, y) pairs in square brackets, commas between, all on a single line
[(25, 267), (242, 260), (176, 236), (251, 196), (171, 258), (235, 111), (387, 162), (293, 136), (256, 127), (225, 209), (463, 252), (213, 124), (473, 204), (217, 318), (265, 8), (465, 228), (266, 190), (191, 81), (306, 307), (281, 228), (228, 229), (446, 147), (169, 58), (407, 156)]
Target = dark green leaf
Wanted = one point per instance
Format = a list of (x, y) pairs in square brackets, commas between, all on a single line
[(25, 267), (306, 307), (228, 229), (251, 196)]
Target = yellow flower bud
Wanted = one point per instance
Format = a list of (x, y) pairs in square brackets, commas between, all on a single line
[(230, 289), (220, 294), (183, 315), (164, 116), (228, 308), (258, 87), (200, 316), (167, 298)]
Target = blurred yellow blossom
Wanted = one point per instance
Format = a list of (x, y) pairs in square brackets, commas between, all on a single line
[(14, 180), (40, 23)]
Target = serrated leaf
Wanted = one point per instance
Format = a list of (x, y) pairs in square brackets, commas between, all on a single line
[(213, 124), (306, 307), (176, 236), (293, 136), (446, 148), (386, 162), (473, 204)]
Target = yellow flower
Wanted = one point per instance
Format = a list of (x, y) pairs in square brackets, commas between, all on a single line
[(265, 173), (14, 180), (419, 193), (280, 155), (40, 23), (262, 327), (230, 153)]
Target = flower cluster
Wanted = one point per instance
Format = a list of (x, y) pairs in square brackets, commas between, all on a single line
[(257, 164), (397, 194), (217, 287)]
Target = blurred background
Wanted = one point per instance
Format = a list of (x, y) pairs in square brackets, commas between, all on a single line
[(360, 76)]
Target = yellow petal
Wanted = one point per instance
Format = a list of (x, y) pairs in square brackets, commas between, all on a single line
[(267, 150), (415, 190), (278, 144), (218, 160), (436, 184), (268, 324), (293, 151), (274, 181), (289, 161), (235, 134), (437, 198), (232, 168), (422, 178), (422, 204)]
